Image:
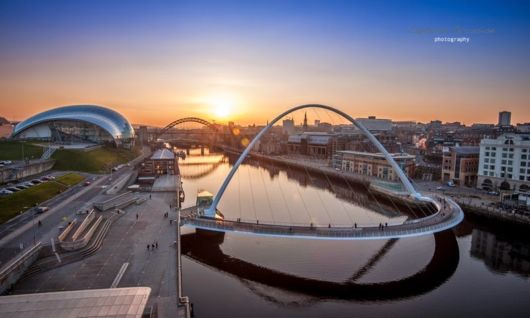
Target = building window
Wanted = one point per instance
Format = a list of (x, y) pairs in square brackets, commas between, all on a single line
[(510, 156), (521, 178), (493, 148), (492, 161), (510, 162), (504, 155), (492, 167), (523, 157), (522, 170), (503, 162), (486, 160), (487, 148), (510, 169), (523, 163)]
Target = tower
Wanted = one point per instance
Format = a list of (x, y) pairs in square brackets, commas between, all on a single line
[(305, 121)]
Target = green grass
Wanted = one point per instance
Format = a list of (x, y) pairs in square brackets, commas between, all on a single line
[(12, 150), (12, 204), (70, 179), (95, 161)]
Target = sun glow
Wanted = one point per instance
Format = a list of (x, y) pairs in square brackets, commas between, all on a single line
[(222, 108)]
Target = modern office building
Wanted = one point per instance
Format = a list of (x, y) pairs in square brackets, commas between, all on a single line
[(77, 124), (374, 124), (460, 165), (504, 163), (373, 164)]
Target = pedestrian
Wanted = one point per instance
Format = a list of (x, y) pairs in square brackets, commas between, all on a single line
[(386, 224), (156, 244), (355, 224), (149, 196), (153, 247), (148, 247), (137, 216), (170, 221)]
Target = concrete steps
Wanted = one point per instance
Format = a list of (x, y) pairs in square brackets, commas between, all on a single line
[(93, 246)]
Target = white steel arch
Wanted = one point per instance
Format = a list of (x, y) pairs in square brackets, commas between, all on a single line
[(210, 211)]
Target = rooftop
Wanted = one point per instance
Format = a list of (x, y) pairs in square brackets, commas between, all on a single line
[(163, 154), (112, 302), (376, 154)]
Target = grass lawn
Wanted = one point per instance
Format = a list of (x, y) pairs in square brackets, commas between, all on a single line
[(70, 179), (12, 204), (12, 150), (96, 161)]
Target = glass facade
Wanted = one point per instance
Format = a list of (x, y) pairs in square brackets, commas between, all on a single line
[(83, 123)]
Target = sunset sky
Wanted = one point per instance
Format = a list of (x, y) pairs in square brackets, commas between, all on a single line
[(156, 61)]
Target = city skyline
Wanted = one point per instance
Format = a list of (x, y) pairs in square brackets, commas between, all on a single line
[(245, 62)]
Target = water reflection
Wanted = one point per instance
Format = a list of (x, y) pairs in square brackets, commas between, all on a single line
[(501, 254), (204, 247)]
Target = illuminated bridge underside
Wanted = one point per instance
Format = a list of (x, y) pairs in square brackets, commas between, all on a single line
[(444, 219)]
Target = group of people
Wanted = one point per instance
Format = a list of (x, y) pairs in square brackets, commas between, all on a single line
[(152, 246), (382, 226)]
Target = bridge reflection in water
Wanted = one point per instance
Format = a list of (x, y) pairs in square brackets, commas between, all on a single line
[(205, 247)]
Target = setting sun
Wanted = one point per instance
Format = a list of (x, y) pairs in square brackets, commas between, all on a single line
[(222, 108)]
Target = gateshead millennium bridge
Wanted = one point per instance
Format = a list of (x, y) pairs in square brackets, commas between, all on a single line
[(446, 215)]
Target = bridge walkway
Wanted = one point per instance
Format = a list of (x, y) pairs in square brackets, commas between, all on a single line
[(447, 217)]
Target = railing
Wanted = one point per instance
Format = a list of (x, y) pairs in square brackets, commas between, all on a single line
[(11, 272), (444, 219)]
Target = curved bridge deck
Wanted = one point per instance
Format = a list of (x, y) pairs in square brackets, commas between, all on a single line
[(449, 216)]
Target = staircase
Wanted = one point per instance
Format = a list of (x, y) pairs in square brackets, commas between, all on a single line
[(48, 153), (92, 247)]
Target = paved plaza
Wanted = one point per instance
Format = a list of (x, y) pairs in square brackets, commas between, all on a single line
[(125, 246)]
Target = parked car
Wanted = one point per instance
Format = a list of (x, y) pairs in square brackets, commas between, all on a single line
[(41, 209), (87, 183), (28, 184), (45, 178), (21, 187), (5, 192), (36, 181), (13, 189)]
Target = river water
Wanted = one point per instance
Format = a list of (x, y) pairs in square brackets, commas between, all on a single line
[(477, 269)]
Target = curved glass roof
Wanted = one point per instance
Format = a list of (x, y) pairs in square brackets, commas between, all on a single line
[(109, 120)]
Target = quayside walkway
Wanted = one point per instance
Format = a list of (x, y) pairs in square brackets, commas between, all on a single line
[(448, 216)]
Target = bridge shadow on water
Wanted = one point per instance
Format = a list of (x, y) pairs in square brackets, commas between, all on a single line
[(205, 248)]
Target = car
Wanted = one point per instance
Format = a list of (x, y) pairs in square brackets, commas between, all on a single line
[(13, 189), (440, 188), (41, 209), (87, 183), (5, 192), (28, 184), (45, 178), (21, 187), (493, 193), (115, 169), (36, 181)]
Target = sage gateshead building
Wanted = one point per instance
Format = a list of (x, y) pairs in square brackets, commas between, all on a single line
[(82, 124)]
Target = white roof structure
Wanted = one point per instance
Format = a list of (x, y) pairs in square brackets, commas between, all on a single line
[(111, 303), (163, 154)]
